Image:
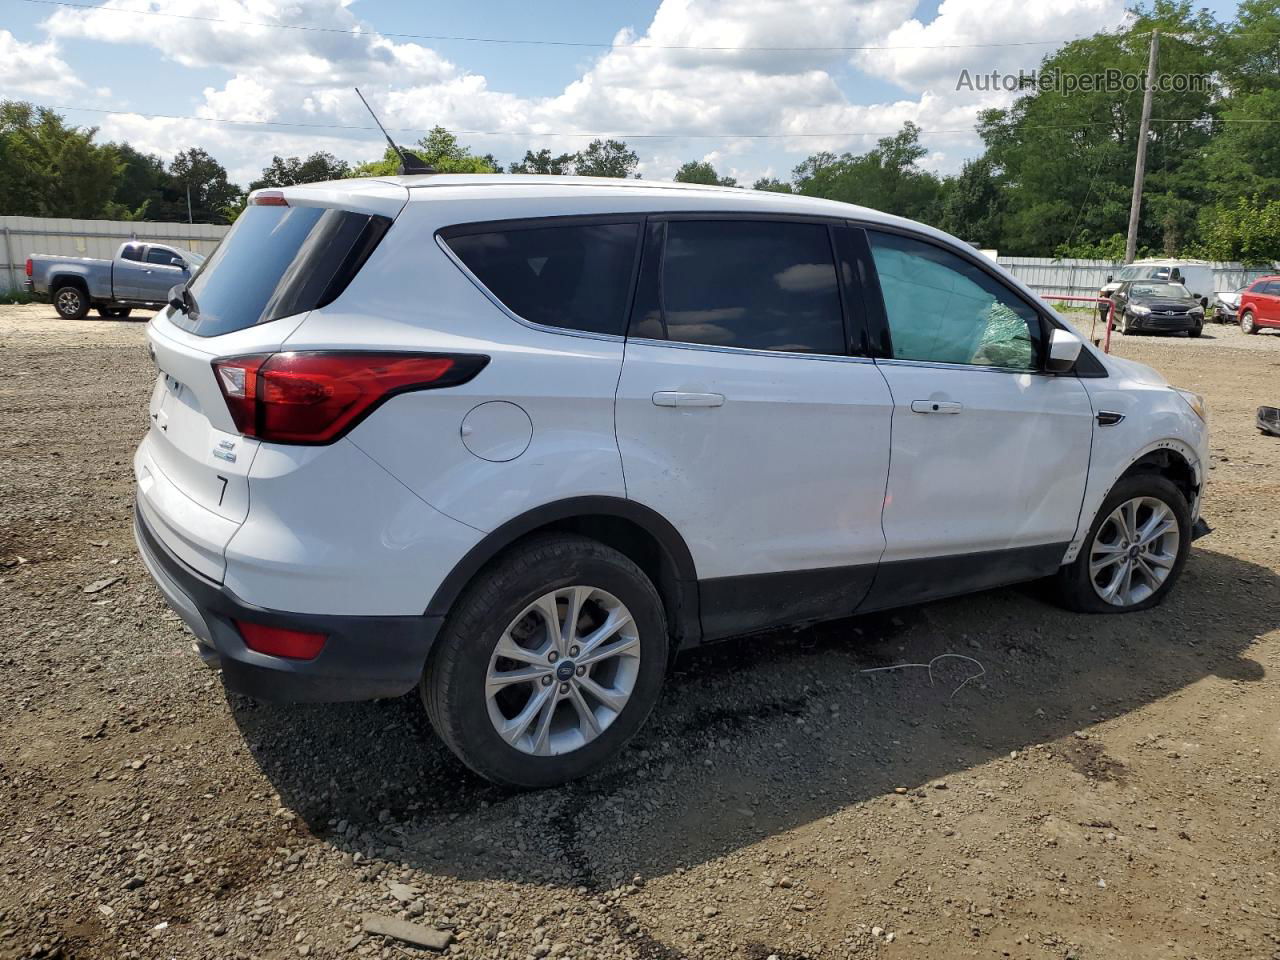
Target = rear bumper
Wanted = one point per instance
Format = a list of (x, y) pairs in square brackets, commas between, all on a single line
[(364, 657)]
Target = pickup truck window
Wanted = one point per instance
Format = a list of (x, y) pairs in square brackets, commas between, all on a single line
[(131, 253), (161, 255), (277, 262)]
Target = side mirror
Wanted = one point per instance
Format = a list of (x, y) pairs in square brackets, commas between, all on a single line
[(1064, 351)]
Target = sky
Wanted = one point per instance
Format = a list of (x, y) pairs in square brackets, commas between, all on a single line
[(715, 80)]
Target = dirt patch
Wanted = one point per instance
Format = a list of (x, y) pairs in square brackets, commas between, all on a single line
[(782, 802)]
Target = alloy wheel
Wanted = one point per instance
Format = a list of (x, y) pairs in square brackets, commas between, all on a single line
[(68, 302), (562, 670), (1134, 551)]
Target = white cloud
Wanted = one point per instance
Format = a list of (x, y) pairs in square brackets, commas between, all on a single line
[(34, 69), (644, 84), (933, 54)]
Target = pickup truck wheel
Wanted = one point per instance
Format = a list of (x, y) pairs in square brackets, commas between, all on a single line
[(71, 303), (1135, 549), (114, 313), (548, 663)]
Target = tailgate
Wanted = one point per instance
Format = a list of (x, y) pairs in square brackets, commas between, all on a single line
[(193, 466)]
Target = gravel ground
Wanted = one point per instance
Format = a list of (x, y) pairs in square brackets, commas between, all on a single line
[(1107, 789)]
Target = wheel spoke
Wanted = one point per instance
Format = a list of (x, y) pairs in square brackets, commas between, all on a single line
[(1157, 524), (1125, 593), (515, 728), (612, 699), (590, 726), (620, 646), (618, 618), (1162, 560), (550, 614), (569, 629), (542, 733), (500, 679), (509, 649), (1129, 514)]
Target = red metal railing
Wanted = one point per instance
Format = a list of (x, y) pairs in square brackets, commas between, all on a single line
[(1111, 312)]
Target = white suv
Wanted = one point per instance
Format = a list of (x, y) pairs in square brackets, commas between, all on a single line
[(515, 441)]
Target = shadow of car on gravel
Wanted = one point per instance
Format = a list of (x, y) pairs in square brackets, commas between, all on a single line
[(759, 735)]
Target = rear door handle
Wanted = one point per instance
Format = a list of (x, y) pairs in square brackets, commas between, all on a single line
[(936, 406), (673, 398)]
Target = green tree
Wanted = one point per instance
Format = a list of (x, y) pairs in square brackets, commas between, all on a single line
[(141, 184), (606, 158), (198, 185), (1064, 158), (290, 171), (771, 185), (972, 204), (439, 149), (1248, 231), (544, 162), (49, 169), (886, 177), (701, 171)]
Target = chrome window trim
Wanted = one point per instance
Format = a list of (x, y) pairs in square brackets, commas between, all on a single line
[(940, 365), (540, 327), (750, 351)]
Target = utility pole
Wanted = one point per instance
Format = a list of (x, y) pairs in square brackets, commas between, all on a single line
[(190, 220), (1140, 165)]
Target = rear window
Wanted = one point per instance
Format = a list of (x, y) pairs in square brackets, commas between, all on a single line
[(276, 262), (576, 276)]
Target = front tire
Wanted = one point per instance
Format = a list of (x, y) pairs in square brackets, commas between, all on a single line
[(1247, 323), (71, 302), (1135, 549), (1196, 330), (550, 661)]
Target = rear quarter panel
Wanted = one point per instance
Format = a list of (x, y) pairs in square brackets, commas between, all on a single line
[(411, 295)]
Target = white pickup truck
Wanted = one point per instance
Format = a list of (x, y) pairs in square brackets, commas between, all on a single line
[(140, 275)]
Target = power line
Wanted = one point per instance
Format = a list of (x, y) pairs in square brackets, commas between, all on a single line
[(554, 133), (357, 34), (533, 134)]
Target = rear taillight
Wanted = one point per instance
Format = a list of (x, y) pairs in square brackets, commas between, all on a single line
[(268, 198), (28, 266), (280, 642), (316, 397)]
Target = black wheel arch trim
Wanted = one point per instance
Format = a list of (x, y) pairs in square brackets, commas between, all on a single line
[(687, 626)]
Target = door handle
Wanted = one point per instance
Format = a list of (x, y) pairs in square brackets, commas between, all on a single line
[(936, 406), (674, 398)]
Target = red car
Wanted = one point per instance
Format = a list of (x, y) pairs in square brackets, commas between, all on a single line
[(1260, 305)]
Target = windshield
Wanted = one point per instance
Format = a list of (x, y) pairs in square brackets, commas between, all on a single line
[(275, 262), (1174, 291), (1143, 273)]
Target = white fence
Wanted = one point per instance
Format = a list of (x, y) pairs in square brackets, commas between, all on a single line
[(20, 237), (1084, 278)]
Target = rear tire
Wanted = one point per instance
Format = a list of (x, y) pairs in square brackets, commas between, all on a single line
[(1082, 584), (71, 302), (1247, 323), (114, 313), (475, 703)]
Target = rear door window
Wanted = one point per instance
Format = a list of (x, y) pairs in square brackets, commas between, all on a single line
[(572, 275), (761, 285), (278, 261)]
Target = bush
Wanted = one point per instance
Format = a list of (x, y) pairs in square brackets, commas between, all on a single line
[(16, 296)]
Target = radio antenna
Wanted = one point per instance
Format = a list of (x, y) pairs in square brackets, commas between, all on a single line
[(409, 162)]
